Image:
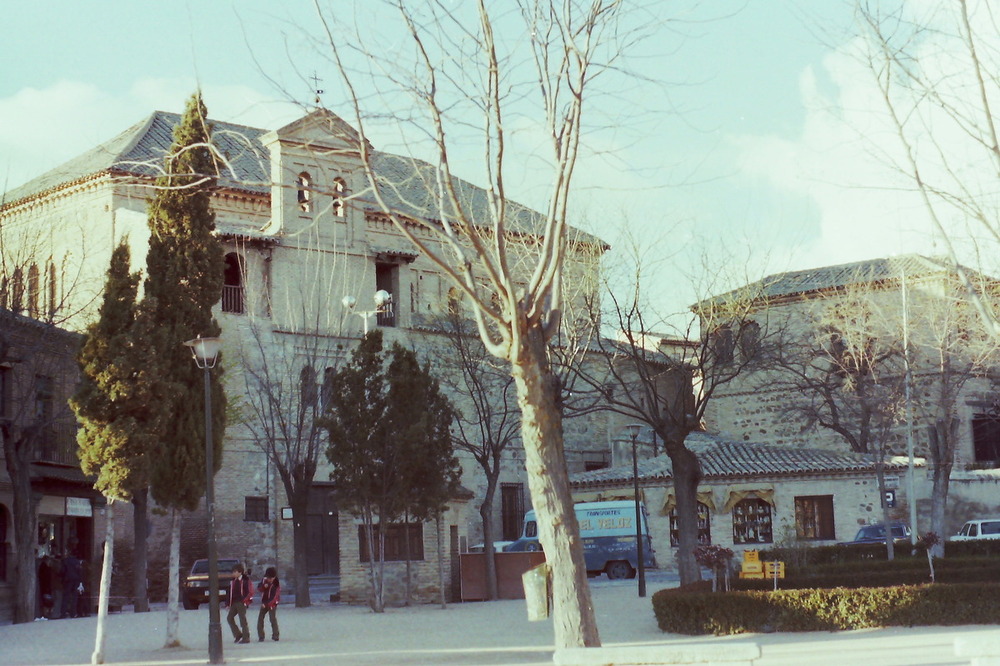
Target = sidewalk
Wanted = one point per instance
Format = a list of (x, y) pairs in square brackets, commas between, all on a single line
[(463, 634)]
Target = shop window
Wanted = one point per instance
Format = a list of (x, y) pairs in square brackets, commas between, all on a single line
[(399, 539), (511, 510), (233, 296), (752, 522), (704, 526), (814, 518), (255, 509)]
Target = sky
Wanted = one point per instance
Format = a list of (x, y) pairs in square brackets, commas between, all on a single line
[(739, 142)]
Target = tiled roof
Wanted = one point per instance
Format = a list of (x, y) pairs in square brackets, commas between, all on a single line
[(859, 272), (409, 185), (722, 458)]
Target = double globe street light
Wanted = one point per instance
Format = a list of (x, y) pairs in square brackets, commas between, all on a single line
[(383, 304), (633, 432), (206, 353)]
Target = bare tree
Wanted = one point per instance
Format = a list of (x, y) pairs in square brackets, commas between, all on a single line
[(515, 298), (487, 419), (667, 380), (841, 366), (951, 352), (937, 72)]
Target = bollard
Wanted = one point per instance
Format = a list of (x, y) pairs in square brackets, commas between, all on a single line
[(537, 592)]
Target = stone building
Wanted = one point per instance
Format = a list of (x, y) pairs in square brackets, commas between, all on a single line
[(953, 369), (303, 241), (752, 495), (38, 374)]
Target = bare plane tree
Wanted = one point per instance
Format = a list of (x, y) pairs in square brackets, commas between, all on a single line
[(515, 298)]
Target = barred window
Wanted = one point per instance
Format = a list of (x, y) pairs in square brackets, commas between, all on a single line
[(399, 539), (255, 510)]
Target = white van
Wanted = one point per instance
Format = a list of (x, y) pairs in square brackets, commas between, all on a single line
[(608, 532), (977, 530)]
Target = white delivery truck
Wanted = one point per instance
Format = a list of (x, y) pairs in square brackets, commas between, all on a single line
[(608, 533)]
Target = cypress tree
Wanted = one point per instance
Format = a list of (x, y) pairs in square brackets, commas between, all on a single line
[(108, 403), (184, 280)]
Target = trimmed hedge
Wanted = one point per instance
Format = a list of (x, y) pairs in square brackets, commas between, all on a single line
[(807, 557), (693, 612), (882, 573)]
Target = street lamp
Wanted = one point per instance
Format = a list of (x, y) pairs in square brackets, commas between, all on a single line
[(383, 304), (206, 352), (633, 432)]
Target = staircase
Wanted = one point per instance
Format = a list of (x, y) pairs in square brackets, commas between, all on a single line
[(324, 588)]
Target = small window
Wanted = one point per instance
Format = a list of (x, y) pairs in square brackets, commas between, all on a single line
[(986, 438), (308, 389), (339, 191), (531, 529), (386, 279), (255, 510), (232, 287), (400, 540), (704, 527), (814, 518), (722, 345), (749, 340), (303, 195), (752, 522)]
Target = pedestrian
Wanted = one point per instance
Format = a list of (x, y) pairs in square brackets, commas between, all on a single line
[(45, 576), (72, 583), (240, 598), (270, 595)]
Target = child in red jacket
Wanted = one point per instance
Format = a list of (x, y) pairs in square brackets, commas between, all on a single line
[(240, 598), (270, 594)]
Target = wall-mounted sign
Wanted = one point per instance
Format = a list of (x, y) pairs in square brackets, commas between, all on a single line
[(890, 499), (286, 513), (891, 482), (79, 506)]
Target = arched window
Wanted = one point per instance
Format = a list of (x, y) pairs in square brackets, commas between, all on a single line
[(307, 387), (752, 521), (302, 184), (339, 191), (53, 293), (232, 288), (704, 526)]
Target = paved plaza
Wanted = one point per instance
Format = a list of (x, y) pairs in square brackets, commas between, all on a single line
[(476, 633)]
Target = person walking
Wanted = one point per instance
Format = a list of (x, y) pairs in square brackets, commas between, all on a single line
[(240, 598), (270, 595)]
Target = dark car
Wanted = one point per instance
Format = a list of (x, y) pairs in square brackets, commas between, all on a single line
[(876, 534), (195, 588)]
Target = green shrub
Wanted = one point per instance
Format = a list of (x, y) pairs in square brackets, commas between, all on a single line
[(684, 612)]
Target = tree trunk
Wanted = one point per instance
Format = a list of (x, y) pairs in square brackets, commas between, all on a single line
[(106, 567), (486, 513), (440, 558), (574, 623), (300, 541), (173, 585), (140, 524), (24, 505), (687, 476), (942, 436)]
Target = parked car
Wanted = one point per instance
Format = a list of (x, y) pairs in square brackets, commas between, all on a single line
[(195, 589), (876, 534), (978, 530)]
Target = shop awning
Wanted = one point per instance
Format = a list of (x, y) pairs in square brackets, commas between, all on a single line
[(705, 496)]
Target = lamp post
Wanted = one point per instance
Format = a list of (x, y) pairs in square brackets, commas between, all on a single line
[(633, 432), (206, 352), (383, 304)]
